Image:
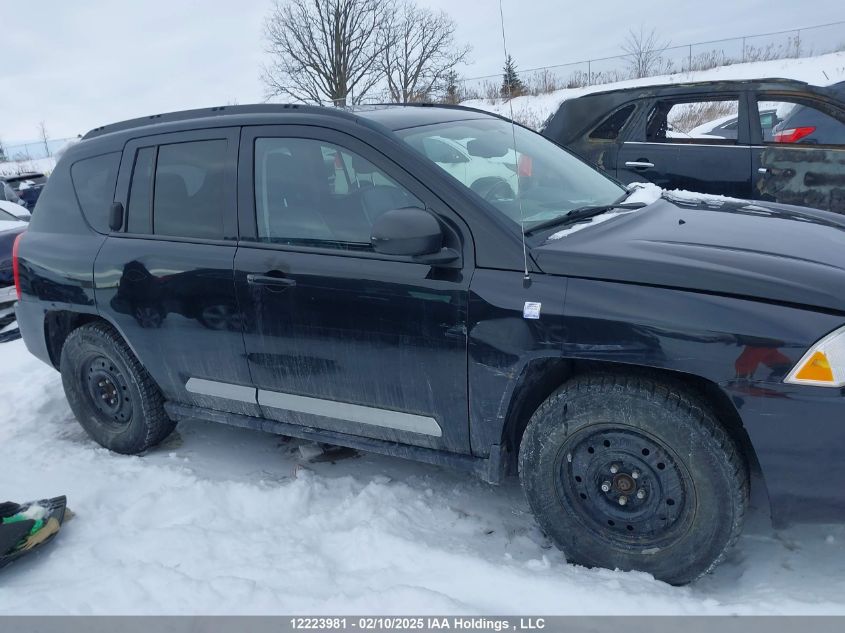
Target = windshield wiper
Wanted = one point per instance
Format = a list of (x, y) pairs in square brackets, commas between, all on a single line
[(582, 213)]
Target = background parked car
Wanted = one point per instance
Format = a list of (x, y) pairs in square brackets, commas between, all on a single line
[(16, 210), (10, 228), (771, 139), (27, 187)]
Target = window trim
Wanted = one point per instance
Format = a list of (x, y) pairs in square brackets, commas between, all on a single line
[(150, 186)]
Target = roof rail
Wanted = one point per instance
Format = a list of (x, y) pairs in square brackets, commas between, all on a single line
[(202, 113)]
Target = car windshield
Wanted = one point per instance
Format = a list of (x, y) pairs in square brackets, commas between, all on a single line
[(530, 182)]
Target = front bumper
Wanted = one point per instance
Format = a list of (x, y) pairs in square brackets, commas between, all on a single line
[(798, 434)]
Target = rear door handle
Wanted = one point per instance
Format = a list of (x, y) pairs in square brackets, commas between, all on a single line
[(270, 280), (639, 164)]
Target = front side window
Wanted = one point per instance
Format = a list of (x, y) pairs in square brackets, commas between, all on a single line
[(315, 193), (521, 174), (794, 122), (188, 192), (704, 121)]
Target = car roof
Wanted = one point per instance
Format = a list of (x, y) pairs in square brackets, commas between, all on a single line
[(773, 83), (391, 116)]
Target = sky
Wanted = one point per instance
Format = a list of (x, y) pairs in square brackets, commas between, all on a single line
[(77, 65)]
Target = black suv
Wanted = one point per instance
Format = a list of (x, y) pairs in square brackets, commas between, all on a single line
[(771, 139), (647, 365)]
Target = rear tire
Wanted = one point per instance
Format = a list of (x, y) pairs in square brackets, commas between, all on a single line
[(627, 472), (111, 394)]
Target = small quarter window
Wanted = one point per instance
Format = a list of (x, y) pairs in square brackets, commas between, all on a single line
[(94, 180)]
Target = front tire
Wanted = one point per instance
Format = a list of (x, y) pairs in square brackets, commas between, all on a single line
[(111, 394), (630, 473)]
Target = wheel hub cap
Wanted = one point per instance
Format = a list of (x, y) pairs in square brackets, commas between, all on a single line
[(624, 485), (107, 390)]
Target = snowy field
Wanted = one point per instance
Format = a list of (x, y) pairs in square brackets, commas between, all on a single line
[(223, 520)]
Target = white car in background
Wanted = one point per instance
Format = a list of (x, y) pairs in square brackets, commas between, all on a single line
[(475, 172), (14, 209)]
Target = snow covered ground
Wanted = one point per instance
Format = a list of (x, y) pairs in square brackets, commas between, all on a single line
[(223, 520), (40, 165), (822, 70)]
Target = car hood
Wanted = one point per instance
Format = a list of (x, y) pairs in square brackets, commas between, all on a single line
[(705, 243)]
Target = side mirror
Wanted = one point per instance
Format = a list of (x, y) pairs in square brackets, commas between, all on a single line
[(409, 231), (116, 216)]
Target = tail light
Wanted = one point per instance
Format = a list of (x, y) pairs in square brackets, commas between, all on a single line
[(16, 270), (526, 166), (794, 134)]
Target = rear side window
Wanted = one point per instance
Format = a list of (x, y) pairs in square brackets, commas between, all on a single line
[(187, 190), (609, 129), (799, 123), (94, 180)]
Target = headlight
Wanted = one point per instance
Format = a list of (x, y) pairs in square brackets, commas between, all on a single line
[(823, 364)]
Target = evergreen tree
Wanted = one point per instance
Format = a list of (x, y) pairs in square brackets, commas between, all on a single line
[(451, 92), (512, 85)]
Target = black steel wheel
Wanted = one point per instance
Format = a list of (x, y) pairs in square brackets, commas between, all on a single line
[(111, 394), (627, 472), (107, 390)]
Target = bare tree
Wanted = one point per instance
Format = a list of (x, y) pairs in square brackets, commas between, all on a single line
[(419, 53), (3, 157), (644, 53), (324, 51), (42, 132)]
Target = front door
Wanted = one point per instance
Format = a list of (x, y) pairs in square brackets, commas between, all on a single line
[(691, 143), (799, 151), (337, 336)]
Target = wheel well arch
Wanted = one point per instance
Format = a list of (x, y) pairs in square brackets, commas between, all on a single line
[(58, 324), (541, 377)]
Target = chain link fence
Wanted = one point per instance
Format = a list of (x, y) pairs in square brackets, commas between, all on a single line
[(795, 43), (35, 150)]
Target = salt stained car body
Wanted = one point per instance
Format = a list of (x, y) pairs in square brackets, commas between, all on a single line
[(313, 272)]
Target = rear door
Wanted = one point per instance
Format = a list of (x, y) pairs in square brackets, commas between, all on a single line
[(696, 143), (166, 278), (799, 151)]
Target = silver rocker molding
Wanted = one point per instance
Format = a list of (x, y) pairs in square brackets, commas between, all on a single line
[(216, 389), (373, 416), (384, 418)]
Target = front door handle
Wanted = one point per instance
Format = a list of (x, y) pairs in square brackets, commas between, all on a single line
[(269, 280), (639, 164)]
